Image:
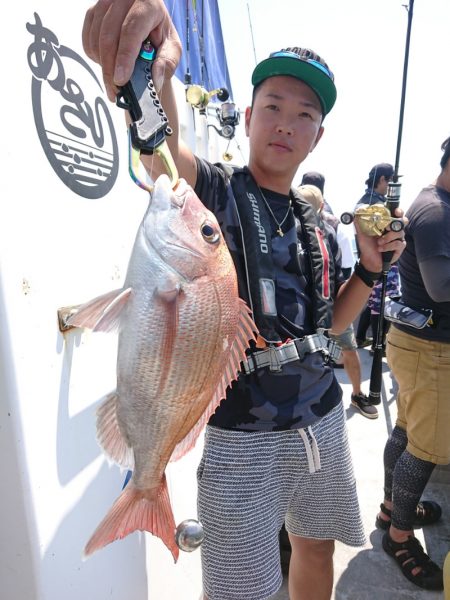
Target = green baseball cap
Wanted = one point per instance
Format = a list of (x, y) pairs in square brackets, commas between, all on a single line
[(303, 64)]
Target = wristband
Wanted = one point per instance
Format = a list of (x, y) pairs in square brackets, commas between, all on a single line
[(367, 277)]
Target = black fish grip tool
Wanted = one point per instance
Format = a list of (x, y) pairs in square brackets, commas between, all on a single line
[(149, 125)]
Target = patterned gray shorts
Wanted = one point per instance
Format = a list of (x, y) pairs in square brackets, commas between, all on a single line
[(249, 483)]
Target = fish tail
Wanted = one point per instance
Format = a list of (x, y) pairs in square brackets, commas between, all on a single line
[(134, 510)]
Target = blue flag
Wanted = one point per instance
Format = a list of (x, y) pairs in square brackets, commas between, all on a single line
[(204, 57)]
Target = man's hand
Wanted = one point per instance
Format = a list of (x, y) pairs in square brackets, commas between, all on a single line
[(372, 247), (113, 32)]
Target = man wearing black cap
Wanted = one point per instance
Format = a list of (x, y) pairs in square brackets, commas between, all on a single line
[(317, 179), (377, 184), (376, 189), (276, 448), (314, 178)]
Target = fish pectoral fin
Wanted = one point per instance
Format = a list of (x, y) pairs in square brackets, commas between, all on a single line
[(168, 298), (101, 313), (168, 289), (135, 510), (109, 435), (246, 332)]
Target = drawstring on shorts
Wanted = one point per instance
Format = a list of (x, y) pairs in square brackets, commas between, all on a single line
[(312, 450)]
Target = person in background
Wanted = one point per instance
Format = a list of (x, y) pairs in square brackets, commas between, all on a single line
[(374, 303), (346, 340), (376, 190), (377, 184), (345, 235), (317, 179), (420, 362), (276, 448)]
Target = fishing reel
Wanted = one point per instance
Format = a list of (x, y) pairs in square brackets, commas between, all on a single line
[(373, 220), (228, 116), (199, 98)]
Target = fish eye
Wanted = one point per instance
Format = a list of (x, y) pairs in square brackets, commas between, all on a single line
[(209, 232)]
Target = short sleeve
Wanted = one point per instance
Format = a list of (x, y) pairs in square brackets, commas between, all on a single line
[(431, 231), (211, 181)]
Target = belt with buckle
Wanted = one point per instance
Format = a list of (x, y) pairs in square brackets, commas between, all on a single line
[(275, 357)]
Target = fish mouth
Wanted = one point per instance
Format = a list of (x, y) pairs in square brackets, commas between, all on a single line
[(169, 240)]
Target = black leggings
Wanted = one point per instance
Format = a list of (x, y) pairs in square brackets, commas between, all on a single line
[(405, 478)]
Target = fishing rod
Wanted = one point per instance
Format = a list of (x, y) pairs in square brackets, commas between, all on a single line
[(392, 202), (187, 75), (251, 33), (196, 94), (199, 97)]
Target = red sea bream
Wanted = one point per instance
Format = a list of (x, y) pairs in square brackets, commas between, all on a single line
[(183, 332)]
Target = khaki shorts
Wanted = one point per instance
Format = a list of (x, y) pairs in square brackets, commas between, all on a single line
[(422, 370)]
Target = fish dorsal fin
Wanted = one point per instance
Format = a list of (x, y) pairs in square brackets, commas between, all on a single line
[(109, 435), (246, 331), (101, 313)]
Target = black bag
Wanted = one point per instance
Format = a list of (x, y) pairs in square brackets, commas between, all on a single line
[(397, 312)]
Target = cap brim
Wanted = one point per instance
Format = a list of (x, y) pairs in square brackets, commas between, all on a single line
[(317, 80)]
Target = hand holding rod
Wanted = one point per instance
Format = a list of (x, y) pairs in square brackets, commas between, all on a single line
[(376, 373), (392, 202)]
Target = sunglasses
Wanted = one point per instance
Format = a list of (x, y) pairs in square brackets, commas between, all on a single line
[(314, 63)]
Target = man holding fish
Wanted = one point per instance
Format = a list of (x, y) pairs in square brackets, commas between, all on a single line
[(276, 448)]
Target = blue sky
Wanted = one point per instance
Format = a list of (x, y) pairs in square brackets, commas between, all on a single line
[(363, 42)]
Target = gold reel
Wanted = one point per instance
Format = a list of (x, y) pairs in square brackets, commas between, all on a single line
[(199, 98), (373, 220)]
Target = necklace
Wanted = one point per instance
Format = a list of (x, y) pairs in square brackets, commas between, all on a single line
[(279, 223)]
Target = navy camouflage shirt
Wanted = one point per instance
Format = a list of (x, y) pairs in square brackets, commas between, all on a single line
[(304, 391)]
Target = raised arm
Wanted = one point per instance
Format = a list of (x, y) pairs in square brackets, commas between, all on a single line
[(113, 33)]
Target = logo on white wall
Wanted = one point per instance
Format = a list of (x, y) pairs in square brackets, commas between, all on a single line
[(72, 120)]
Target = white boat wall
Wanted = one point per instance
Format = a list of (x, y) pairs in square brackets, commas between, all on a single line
[(69, 214)]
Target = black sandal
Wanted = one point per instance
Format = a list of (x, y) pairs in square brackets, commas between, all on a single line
[(427, 512), (412, 555)]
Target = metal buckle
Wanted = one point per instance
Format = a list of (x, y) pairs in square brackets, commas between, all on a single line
[(274, 357), (334, 350), (306, 345), (275, 363), (249, 368), (313, 343)]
